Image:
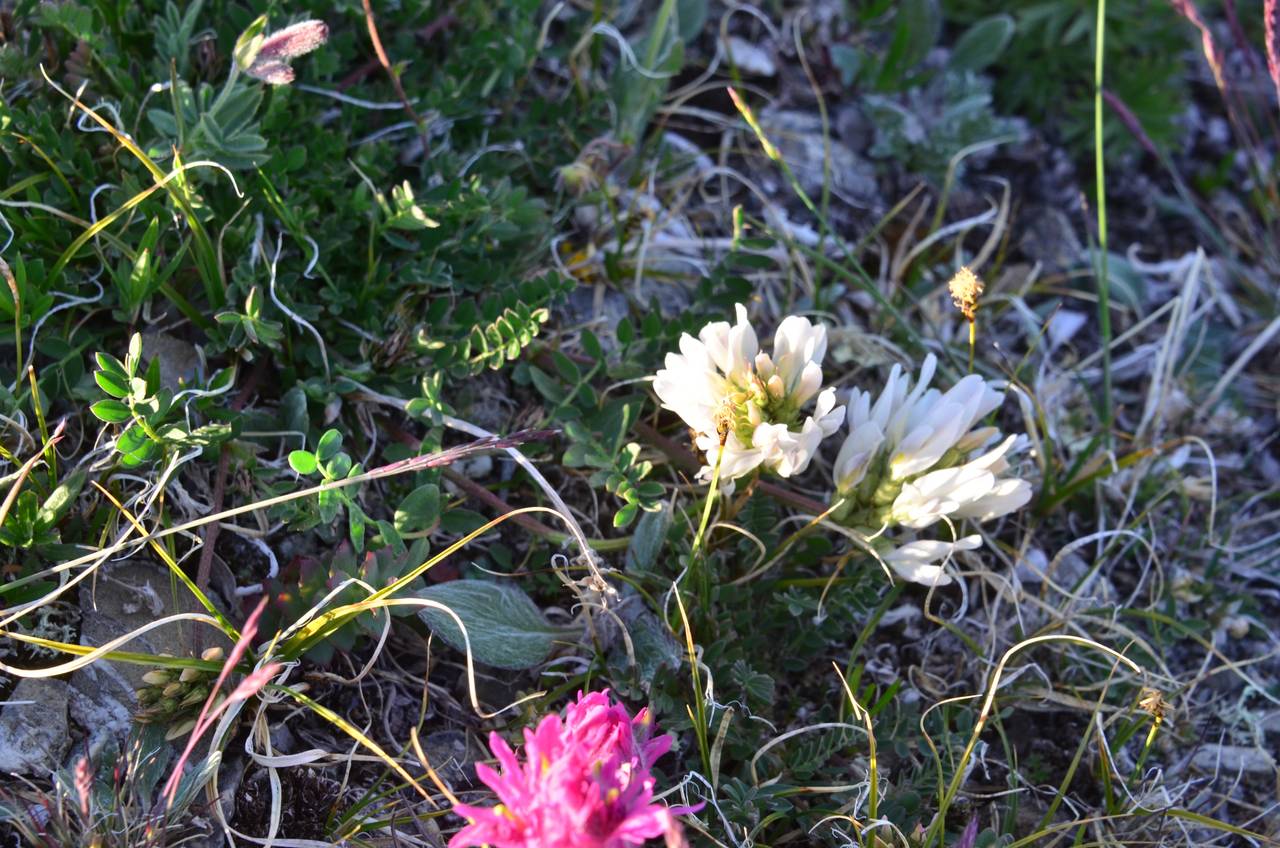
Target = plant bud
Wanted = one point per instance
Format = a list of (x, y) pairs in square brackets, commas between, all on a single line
[(195, 696), (157, 677)]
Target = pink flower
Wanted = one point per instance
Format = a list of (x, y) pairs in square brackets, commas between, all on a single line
[(585, 782), (271, 64)]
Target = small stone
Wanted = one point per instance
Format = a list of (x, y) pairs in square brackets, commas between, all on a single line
[(1063, 326), (179, 360), (127, 596), (450, 755), (1233, 759), (33, 727), (798, 137), (854, 127), (750, 58)]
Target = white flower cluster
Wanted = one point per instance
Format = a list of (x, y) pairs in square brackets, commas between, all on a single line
[(725, 388), (911, 459)]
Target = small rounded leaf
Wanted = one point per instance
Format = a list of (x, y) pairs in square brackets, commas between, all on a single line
[(303, 462)]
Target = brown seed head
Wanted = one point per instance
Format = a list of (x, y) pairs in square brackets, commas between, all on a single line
[(1153, 702)]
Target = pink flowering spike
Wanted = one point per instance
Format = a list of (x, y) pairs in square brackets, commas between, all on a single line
[(583, 782), (271, 64), (209, 712), (254, 682), (1189, 10), (1271, 29)]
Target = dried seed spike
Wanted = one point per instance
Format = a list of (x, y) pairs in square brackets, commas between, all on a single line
[(1153, 702)]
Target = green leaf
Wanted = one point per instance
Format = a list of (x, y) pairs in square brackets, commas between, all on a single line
[(648, 540), (329, 501), (110, 411), (112, 384), (625, 515), (420, 510), (293, 409), (654, 645), (111, 365), (355, 527), (505, 628), (848, 60), (303, 462), (134, 357), (337, 468), (981, 44), (135, 447), (204, 435), (546, 385), (59, 500), (638, 95), (918, 23), (330, 444), (626, 331)]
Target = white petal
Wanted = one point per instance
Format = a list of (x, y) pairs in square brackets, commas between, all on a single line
[(807, 385), (764, 366), (797, 337), (859, 405), (1005, 497), (890, 400), (786, 452), (916, 561), (826, 413), (992, 457), (737, 461), (691, 387), (975, 439), (926, 444), (855, 455), (733, 348), (928, 498)]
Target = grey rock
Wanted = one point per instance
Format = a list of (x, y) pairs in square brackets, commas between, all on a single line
[(798, 137), (101, 702), (1051, 239), (130, 595), (33, 727), (1233, 759), (854, 127), (452, 755), (126, 596), (179, 361), (751, 58)]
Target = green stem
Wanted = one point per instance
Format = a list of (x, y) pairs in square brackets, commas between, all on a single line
[(697, 562), (50, 455), (1104, 282)]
